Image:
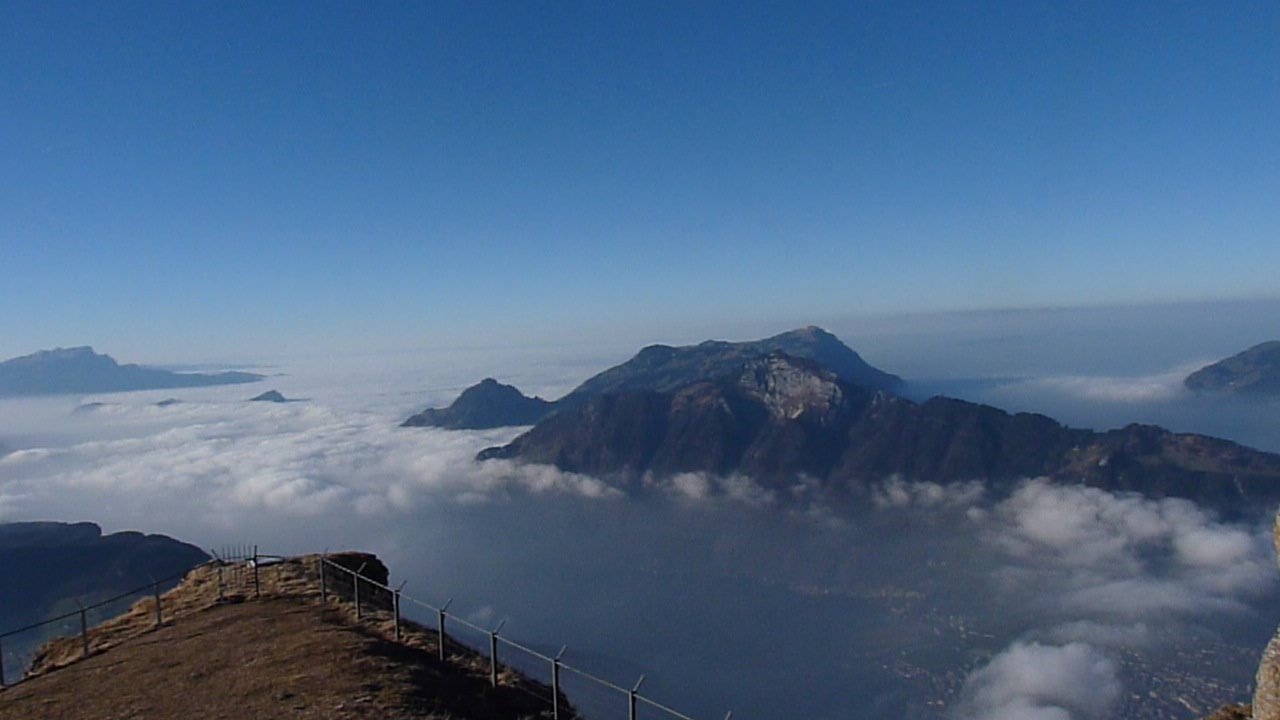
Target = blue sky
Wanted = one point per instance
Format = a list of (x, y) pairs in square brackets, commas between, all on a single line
[(186, 181)]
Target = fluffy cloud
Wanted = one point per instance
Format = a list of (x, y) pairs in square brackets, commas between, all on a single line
[(896, 492), (1030, 681), (1123, 554), (297, 459), (1111, 389)]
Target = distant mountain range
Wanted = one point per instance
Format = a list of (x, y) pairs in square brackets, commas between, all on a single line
[(49, 565), (657, 368), (778, 419), (1252, 373), (81, 370)]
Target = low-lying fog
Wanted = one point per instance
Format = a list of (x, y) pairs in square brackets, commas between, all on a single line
[(1052, 603)]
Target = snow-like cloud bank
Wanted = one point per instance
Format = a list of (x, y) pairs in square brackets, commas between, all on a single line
[(217, 460), (1094, 572), (1075, 578), (1113, 389), (1126, 556), (1030, 681)]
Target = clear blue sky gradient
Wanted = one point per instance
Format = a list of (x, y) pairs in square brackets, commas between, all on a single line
[(198, 179)]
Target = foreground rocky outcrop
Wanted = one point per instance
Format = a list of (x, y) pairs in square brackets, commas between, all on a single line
[(230, 647), (1266, 696)]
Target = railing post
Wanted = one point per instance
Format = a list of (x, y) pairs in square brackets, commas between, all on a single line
[(555, 683), (631, 699), (440, 627), (324, 583), (84, 631), (257, 589), (155, 590), (1, 663), (356, 584), (395, 608), (221, 583), (493, 654)]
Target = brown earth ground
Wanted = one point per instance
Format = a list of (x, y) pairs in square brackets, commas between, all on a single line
[(282, 655)]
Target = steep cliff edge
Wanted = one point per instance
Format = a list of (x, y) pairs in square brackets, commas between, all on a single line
[(281, 654)]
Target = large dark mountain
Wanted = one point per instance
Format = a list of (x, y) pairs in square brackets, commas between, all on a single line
[(485, 405), (81, 370), (656, 368), (777, 418), (662, 368), (46, 566), (1252, 373)]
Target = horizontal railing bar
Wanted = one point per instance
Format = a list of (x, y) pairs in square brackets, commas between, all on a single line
[(86, 608), (419, 603), (357, 576), (664, 708), (593, 678), (42, 623), (531, 651), (465, 623)]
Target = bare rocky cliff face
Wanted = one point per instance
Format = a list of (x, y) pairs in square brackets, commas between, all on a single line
[(1266, 696), (656, 368)]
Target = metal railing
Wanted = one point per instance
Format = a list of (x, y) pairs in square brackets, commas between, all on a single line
[(490, 641), (550, 678), (82, 612)]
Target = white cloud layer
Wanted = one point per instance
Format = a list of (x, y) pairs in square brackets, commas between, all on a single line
[(1111, 389), (298, 459), (1092, 571), (1030, 681)]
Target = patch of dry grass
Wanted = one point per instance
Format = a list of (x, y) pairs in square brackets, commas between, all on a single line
[(284, 654)]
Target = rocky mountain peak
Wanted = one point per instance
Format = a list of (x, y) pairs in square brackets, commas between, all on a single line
[(486, 404), (789, 387)]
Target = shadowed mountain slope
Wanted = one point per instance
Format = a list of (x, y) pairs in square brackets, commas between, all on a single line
[(81, 370), (1252, 373), (778, 418), (48, 565), (485, 405)]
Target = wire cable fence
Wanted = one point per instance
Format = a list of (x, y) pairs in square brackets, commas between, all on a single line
[(241, 572), (19, 646), (97, 624), (593, 697)]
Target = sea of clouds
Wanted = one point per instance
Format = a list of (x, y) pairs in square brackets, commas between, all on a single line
[(1070, 581)]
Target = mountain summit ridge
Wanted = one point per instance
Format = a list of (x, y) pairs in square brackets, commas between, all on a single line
[(779, 419), (657, 368)]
